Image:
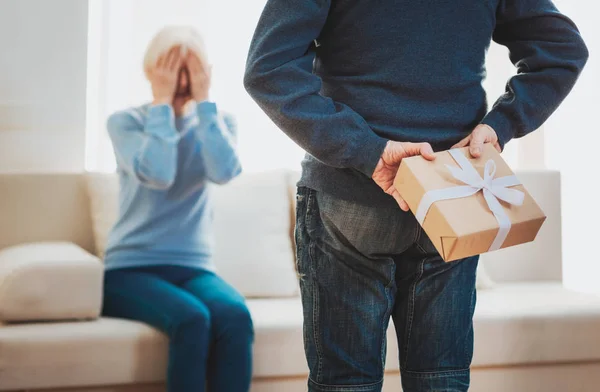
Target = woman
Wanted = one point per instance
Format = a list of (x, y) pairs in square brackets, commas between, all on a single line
[(158, 259)]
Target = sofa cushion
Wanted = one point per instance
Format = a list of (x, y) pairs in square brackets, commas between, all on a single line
[(49, 281), (532, 323), (254, 250), (514, 324), (86, 353)]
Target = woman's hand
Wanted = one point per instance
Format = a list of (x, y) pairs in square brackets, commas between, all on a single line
[(164, 75), (200, 77)]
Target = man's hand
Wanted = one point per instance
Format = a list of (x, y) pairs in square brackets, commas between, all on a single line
[(482, 134), (163, 76), (386, 169), (200, 77)]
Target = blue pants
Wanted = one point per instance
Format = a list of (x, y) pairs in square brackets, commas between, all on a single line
[(359, 266), (208, 324)]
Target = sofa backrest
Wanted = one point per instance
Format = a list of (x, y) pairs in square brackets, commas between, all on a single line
[(252, 225), (48, 207), (44, 207)]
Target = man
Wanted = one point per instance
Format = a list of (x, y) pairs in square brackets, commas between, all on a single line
[(360, 85)]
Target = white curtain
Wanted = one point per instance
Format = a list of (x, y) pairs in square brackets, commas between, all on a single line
[(120, 31)]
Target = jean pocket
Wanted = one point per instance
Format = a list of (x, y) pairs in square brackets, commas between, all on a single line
[(372, 231)]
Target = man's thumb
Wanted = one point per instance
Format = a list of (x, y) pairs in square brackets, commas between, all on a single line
[(427, 151), (412, 149), (477, 141)]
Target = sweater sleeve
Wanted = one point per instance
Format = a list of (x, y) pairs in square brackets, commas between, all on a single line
[(146, 148), (217, 136), (549, 54), (280, 79)]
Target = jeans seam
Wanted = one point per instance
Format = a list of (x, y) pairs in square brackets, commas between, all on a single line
[(387, 315), (315, 315), (374, 384), (309, 208), (412, 310), (298, 227), (418, 240), (435, 374), (421, 249), (471, 311), (417, 235), (310, 200)]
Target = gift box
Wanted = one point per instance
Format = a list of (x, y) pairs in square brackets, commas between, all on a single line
[(468, 206)]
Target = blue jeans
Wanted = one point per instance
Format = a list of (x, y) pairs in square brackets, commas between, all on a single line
[(208, 324), (358, 267)]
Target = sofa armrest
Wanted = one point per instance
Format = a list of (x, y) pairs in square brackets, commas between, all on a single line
[(49, 281)]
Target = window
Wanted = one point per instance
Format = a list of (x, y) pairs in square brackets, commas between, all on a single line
[(120, 31)]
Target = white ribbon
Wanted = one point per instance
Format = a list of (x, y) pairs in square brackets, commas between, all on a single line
[(493, 189)]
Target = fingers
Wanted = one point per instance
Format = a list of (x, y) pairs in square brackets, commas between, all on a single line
[(478, 139), (197, 66), (175, 59), (403, 206), (412, 149), (463, 143), (194, 62), (497, 147), (399, 200), (427, 151), (170, 61), (169, 58), (482, 134), (189, 62), (160, 61)]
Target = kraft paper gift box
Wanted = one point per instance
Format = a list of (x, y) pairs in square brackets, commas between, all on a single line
[(468, 206)]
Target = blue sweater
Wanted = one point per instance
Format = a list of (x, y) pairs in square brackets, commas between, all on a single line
[(343, 77), (165, 165)]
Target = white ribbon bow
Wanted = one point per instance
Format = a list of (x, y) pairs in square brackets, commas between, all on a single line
[(493, 189)]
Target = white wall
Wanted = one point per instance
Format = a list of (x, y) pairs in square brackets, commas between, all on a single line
[(42, 85), (572, 143)]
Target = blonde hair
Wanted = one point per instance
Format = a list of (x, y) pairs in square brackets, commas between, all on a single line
[(171, 36)]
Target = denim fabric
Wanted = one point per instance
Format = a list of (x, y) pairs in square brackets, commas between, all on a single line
[(361, 265), (209, 327)]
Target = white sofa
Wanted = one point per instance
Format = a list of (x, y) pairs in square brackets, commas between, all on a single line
[(531, 333)]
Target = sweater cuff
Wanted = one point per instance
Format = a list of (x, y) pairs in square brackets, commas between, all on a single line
[(501, 125), (160, 122), (367, 157), (207, 115), (206, 108)]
